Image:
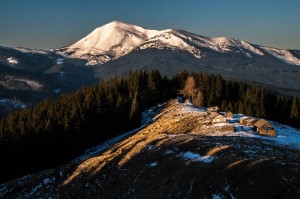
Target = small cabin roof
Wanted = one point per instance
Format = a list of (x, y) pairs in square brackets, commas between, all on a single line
[(260, 123), (229, 114)]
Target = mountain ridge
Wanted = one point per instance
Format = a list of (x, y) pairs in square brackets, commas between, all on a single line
[(116, 39), (117, 48)]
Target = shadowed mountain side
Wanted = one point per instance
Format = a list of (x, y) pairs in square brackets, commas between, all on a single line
[(296, 53), (28, 76), (236, 66)]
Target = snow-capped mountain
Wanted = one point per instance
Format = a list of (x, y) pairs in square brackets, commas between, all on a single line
[(117, 39), (108, 42), (117, 48)]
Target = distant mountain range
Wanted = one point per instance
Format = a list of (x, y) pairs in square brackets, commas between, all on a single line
[(116, 48)]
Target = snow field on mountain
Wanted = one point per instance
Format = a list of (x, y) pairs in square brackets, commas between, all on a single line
[(12, 61), (283, 55), (116, 39)]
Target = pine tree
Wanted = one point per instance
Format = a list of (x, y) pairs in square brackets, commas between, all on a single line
[(294, 110)]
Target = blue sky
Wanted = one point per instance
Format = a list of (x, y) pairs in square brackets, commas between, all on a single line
[(55, 23)]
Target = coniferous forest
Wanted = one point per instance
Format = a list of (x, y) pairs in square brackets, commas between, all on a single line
[(55, 131)]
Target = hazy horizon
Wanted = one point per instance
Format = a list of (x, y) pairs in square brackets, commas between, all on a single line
[(54, 24)]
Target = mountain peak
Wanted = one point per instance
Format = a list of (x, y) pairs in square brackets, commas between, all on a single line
[(118, 38), (118, 24), (110, 41)]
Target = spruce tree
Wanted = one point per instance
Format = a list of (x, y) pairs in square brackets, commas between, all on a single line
[(294, 110)]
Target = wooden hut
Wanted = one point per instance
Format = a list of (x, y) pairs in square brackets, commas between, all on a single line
[(263, 127), (217, 118), (248, 121), (251, 121), (229, 114), (244, 120), (223, 127), (261, 123), (227, 128)]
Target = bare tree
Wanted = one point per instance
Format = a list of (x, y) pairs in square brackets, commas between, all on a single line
[(191, 92)]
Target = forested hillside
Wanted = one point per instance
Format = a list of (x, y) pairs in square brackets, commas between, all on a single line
[(55, 131)]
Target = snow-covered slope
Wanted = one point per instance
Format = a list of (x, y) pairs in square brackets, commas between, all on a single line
[(109, 42), (283, 55), (117, 39)]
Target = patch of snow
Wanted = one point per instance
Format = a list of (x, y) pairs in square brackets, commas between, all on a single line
[(227, 189), (33, 84), (12, 61), (283, 55), (39, 186), (3, 191), (286, 135), (93, 62), (238, 128), (171, 39), (196, 157), (47, 181), (247, 128), (27, 50), (15, 104), (59, 60), (233, 120), (238, 116), (167, 152), (147, 116), (216, 196), (190, 108), (224, 44), (61, 74), (149, 147), (172, 135), (179, 99), (220, 124), (153, 164), (57, 90)]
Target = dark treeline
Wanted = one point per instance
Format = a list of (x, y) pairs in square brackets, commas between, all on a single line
[(240, 97), (253, 100), (55, 131)]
